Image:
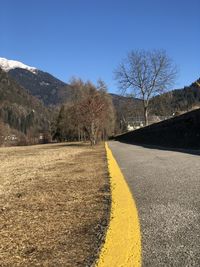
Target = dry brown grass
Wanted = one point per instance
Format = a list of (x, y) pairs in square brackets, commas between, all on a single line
[(54, 204)]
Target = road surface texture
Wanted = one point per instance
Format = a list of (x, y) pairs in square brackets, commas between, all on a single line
[(166, 188)]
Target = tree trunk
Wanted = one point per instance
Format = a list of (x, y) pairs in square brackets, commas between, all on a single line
[(92, 141), (79, 134), (92, 134), (146, 116)]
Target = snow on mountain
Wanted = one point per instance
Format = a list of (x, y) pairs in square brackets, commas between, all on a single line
[(8, 65)]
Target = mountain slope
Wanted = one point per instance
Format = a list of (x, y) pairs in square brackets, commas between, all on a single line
[(177, 101), (19, 109), (44, 86), (51, 90)]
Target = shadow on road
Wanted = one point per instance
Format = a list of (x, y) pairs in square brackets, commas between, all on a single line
[(181, 150)]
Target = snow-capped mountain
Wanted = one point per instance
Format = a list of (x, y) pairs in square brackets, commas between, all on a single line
[(46, 87), (8, 65)]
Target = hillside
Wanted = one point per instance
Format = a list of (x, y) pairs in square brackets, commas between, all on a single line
[(177, 101), (125, 108), (44, 86), (52, 91), (179, 132), (126, 103), (19, 109)]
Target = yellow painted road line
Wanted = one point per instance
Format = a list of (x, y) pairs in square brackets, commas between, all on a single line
[(122, 246)]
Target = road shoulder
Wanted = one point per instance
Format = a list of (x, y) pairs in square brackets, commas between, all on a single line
[(123, 240)]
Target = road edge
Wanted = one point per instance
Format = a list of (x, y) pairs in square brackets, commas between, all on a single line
[(122, 245)]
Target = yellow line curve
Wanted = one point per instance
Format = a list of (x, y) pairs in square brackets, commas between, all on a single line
[(122, 247)]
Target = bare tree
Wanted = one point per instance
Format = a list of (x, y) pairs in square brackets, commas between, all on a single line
[(146, 74), (109, 118), (90, 114), (94, 111)]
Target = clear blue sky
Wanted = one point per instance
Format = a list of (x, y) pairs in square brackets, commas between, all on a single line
[(88, 38)]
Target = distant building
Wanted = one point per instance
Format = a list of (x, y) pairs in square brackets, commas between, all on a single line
[(45, 138), (134, 123), (11, 138)]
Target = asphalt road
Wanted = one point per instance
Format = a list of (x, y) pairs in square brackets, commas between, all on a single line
[(166, 188)]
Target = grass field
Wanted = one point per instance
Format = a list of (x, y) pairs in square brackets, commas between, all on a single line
[(54, 204)]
